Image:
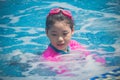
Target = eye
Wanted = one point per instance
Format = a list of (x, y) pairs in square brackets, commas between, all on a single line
[(65, 33), (54, 34)]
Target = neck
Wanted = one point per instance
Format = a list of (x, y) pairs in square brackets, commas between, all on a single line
[(60, 51)]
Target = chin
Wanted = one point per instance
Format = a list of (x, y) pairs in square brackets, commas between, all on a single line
[(61, 49)]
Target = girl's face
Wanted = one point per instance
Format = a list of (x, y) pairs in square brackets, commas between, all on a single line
[(60, 34)]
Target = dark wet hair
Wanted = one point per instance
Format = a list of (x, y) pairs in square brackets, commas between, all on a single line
[(51, 19)]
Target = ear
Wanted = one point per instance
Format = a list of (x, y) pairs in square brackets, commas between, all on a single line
[(46, 32), (72, 31)]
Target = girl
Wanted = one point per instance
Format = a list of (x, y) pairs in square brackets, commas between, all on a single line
[(59, 29)]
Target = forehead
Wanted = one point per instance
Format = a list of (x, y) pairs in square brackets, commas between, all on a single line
[(61, 25)]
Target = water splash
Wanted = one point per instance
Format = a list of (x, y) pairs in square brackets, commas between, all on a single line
[(72, 65)]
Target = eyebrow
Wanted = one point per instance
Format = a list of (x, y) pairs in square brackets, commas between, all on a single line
[(53, 31), (65, 31), (56, 31)]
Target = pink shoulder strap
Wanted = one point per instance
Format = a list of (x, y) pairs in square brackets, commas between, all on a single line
[(49, 54), (74, 45)]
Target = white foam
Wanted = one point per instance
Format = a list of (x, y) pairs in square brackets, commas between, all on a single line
[(28, 9), (76, 65), (9, 35), (65, 5), (112, 4), (13, 18), (32, 31)]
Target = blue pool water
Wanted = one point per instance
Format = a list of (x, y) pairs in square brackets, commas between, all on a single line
[(23, 38)]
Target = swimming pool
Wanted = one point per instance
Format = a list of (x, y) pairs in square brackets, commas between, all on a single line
[(22, 38)]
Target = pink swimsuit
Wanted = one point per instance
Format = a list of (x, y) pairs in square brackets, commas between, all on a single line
[(50, 53)]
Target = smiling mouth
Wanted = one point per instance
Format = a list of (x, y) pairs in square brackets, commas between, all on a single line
[(60, 44)]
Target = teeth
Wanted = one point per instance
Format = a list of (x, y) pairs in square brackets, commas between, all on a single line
[(60, 44)]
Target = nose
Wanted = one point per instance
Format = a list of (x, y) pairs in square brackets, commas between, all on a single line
[(60, 38)]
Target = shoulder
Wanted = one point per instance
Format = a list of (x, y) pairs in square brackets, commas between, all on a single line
[(73, 42), (50, 55), (75, 45), (49, 52)]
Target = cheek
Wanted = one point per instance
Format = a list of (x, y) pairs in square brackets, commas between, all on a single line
[(68, 38), (52, 39)]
